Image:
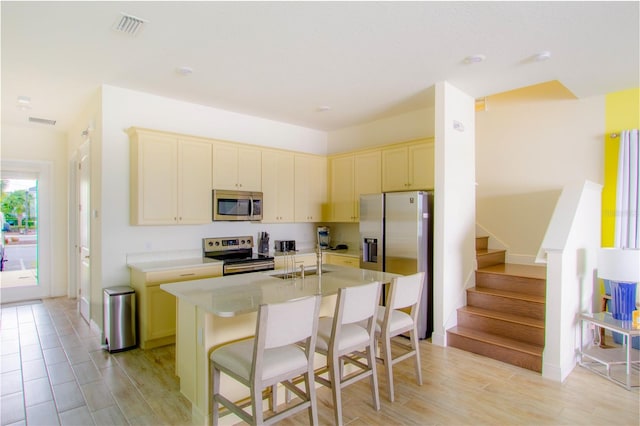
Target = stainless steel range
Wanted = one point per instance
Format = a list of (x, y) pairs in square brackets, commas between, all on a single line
[(237, 255)]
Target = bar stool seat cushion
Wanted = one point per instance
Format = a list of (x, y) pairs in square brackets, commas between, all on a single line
[(238, 356), (399, 320), (350, 335)]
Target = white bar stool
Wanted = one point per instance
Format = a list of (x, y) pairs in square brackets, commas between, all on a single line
[(270, 358), (341, 339), (393, 320)]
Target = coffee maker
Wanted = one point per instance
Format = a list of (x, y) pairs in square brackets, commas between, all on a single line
[(324, 237)]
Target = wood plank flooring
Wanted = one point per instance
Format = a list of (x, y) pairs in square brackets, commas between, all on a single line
[(53, 371)]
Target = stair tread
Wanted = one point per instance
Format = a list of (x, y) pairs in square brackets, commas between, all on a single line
[(497, 340), (484, 252), (508, 294), (517, 270), (518, 319)]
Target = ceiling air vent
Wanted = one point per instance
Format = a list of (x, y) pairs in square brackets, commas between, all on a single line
[(42, 121), (128, 24)]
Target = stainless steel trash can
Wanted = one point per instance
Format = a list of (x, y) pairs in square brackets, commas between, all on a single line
[(119, 318)]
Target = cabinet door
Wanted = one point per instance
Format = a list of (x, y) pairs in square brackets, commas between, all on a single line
[(225, 166), (154, 179), (395, 173), (277, 186), (310, 188), (249, 168), (342, 193), (367, 177), (421, 166), (194, 182), (161, 311)]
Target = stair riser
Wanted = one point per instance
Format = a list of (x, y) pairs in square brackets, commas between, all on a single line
[(530, 286), (521, 332), (510, 356), (490, 259), (482, 243), (508, 305)]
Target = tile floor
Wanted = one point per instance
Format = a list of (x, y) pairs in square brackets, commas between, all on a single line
[(54, 372)]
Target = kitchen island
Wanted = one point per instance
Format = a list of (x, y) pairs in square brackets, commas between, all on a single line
[(215, 311)]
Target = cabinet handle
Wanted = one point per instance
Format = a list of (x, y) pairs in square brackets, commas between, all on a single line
[(187, 275)]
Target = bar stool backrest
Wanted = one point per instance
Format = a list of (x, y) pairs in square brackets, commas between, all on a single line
[(360, 302), (406, 291), (288, 323)]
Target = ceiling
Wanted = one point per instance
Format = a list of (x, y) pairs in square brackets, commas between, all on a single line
[(286, 60)]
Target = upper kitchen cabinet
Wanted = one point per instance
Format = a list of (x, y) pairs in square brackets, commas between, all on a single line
[(277, 186), (170, 179), (310, 188), (408, 166), (236, 167), (352, 175)]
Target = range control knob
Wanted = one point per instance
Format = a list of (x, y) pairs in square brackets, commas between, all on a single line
[(217, 243), (210, 243)]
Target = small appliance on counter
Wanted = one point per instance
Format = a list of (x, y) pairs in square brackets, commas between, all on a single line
[(263, 243), (284, 246), (323, 237)]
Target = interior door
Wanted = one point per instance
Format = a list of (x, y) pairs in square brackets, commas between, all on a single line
[(84, 221)]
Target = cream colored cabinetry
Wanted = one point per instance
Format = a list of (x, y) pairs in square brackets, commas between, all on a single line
[(310, 188), (408, 167), (306, 259), (157, 308), (352, 175), (236, 167), (170, 179), (342, 260), (277, 186)]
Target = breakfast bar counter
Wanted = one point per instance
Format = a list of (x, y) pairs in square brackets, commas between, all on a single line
[(215, 311)]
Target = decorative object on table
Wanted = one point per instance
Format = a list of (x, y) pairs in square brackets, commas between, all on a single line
[(622, 268)]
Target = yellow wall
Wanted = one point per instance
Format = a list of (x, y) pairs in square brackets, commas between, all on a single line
[(622, 112)]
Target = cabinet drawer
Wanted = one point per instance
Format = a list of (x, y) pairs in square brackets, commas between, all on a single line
[(336, 259), (174, 275)]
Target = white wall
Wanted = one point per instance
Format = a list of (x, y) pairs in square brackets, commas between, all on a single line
[(525, 153), (404, 127), (122, 109), (35, 144), (570, 247), (454, 234)]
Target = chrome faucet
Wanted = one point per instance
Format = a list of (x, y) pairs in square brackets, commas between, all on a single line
[(319, 261)]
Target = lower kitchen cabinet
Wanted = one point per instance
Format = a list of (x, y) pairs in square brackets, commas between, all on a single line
[(156, 308), (342, 260)]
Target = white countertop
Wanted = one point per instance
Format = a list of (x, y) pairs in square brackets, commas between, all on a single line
[(170, 264), (238, 294)]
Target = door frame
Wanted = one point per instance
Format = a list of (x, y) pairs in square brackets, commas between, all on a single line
[(43, 172), (79, 259)]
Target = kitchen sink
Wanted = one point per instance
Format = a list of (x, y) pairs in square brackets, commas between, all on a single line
[(297, 274)]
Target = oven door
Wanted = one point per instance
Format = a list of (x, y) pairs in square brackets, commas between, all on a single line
[(246, 267), (237, 205)]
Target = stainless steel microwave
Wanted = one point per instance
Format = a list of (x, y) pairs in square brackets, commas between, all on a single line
[(237, 205)]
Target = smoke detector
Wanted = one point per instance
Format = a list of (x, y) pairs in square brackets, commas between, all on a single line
[(129, 24)]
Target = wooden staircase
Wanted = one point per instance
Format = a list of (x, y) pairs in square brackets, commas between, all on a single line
[(504, 316)]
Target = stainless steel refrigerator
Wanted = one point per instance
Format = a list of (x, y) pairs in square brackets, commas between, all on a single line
[(396, 235)]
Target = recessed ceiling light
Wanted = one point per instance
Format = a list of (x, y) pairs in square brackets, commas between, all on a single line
[(542, 56), (24, 102), (184, 70), (324, 108), (474, 59)]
